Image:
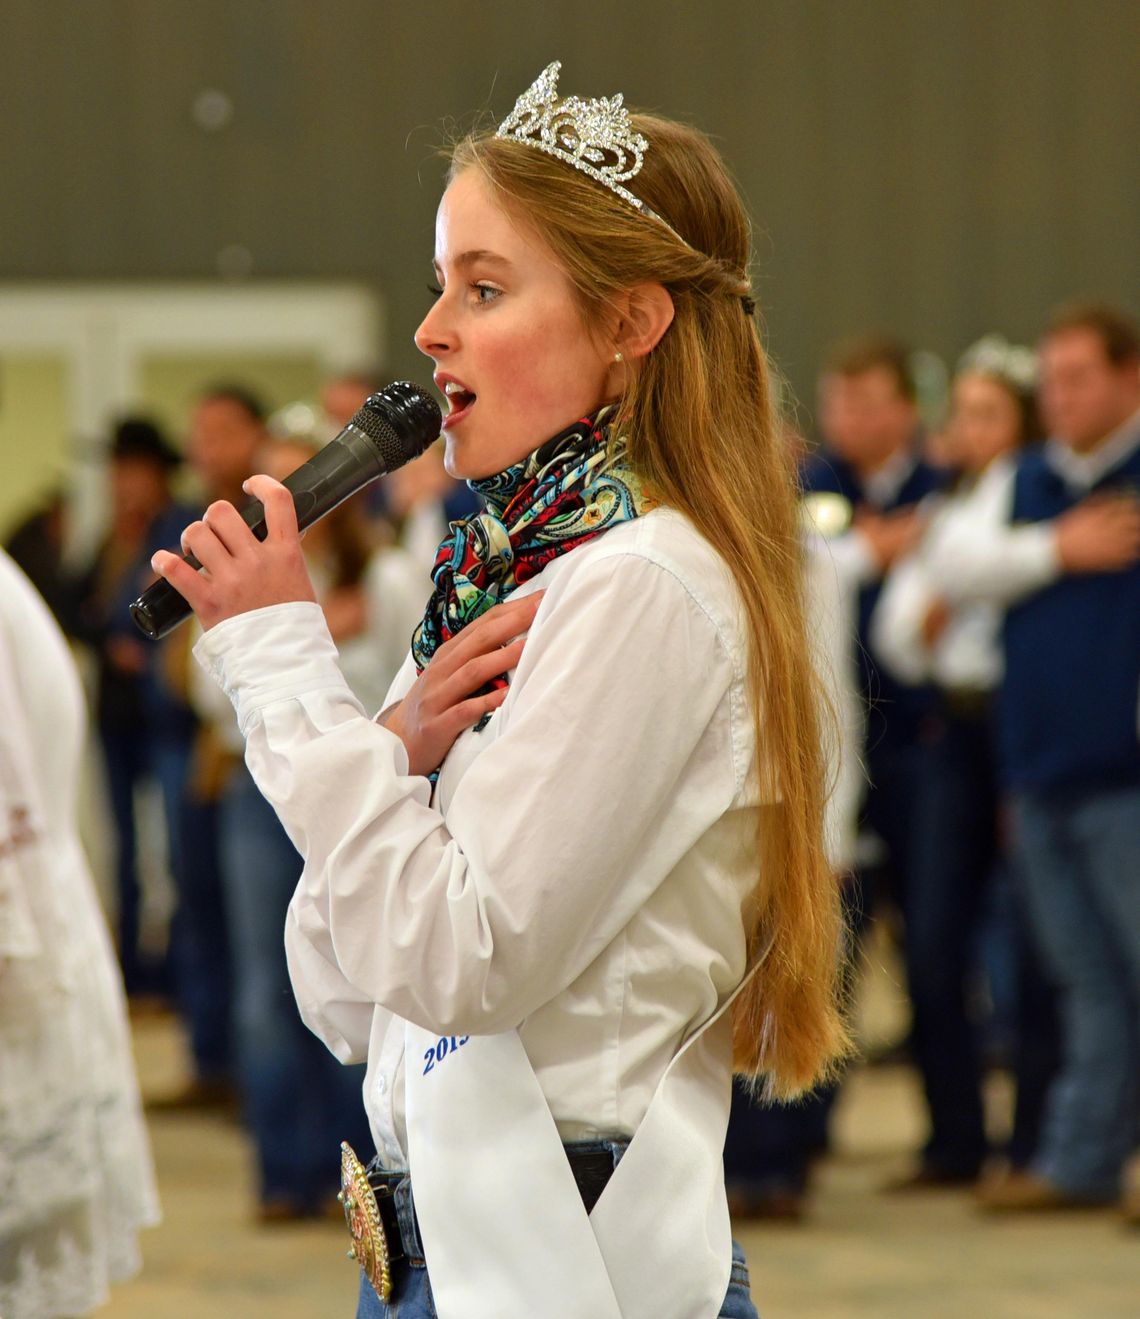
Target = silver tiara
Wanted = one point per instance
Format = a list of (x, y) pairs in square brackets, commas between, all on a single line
[(995, 356), (595, 136)]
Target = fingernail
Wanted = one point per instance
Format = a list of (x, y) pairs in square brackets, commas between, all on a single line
[(154, 562), (245, 485)]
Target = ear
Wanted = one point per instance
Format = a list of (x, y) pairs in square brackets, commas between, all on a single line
[(646, 313)]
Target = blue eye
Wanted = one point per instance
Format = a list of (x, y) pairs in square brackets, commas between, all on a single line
[(491, 292)]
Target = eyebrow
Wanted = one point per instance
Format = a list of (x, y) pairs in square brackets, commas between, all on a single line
[(477, 256)]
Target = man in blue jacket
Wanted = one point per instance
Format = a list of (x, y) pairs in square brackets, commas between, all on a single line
[(1069, 728), (872, 465)]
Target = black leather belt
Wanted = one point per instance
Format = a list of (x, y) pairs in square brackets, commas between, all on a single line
[(399, 1248), (592, 1170), (968, 703)]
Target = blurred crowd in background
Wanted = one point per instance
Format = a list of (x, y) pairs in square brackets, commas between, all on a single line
[(983, 560)]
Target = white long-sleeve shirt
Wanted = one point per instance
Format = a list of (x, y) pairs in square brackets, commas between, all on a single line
[(830, 599), (578, 872), (979, 565), (370, 659), (975, 553)]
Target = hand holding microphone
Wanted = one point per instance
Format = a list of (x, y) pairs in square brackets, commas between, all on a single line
[(238, 571), (227, 570)]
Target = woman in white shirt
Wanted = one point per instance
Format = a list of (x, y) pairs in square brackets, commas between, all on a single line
[(592, 805), (929, 627)]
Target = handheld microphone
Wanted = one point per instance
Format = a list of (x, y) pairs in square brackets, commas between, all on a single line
[(393, 427)]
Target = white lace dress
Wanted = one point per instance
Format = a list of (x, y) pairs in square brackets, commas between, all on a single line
[(76, 1178)]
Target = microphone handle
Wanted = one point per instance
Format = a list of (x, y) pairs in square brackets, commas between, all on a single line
[(344, 466)]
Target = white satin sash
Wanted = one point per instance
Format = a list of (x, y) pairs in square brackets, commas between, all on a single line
[(504, 1229)]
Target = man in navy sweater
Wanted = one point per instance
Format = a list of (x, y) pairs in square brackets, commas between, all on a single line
[(1069, 728), (872, 463)]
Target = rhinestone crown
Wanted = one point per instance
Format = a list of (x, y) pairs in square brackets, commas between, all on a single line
[(995, 356), (595, 136)]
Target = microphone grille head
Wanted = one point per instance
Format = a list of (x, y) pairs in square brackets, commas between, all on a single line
[(401, 420)]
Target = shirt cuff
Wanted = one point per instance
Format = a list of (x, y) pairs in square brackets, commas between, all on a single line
[(1039, 545), (277, 653), (854, 558)]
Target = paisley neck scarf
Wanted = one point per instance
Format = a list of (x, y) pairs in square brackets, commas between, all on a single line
[(571, 489)]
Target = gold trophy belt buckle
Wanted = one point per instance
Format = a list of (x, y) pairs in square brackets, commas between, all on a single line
[(362, 1214)]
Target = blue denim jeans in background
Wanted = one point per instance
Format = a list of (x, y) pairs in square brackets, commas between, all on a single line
[(954, 860), (1080, 865), (199, 937), (414, 1298), (126, 761), (300, 1102), (769, 1148)]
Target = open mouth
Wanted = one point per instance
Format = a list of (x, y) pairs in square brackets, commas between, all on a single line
[(460, 401)]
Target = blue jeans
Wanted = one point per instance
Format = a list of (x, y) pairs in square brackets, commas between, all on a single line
[(1080, 857), (769, 1147), (199, 944), (893, 770), (125, 756), (955, 856), (300, 1101), (413, 1299)]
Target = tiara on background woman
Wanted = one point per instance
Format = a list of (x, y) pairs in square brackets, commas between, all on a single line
[(993, 355), (595, 136)]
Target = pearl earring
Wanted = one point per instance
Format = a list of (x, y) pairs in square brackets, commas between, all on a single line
[(618, 357)]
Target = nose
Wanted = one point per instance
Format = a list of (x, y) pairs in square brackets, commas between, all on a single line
[(435, 336)]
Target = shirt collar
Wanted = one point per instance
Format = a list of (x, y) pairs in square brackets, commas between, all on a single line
[(882, 487), (1083, 470)]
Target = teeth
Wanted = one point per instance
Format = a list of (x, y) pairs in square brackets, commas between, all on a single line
[(450, 387)]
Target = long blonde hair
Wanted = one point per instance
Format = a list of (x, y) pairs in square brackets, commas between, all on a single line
[(698, 422)]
